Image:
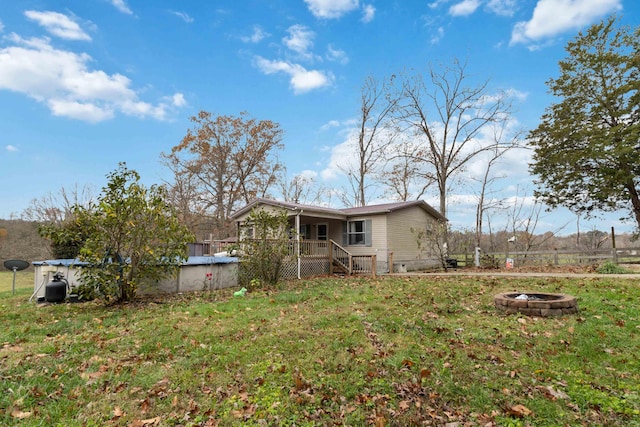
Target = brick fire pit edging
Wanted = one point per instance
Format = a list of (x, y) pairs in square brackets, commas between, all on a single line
[(537, 304)]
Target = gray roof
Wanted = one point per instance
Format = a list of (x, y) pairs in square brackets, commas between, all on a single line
[(391, 207), (340, 213)]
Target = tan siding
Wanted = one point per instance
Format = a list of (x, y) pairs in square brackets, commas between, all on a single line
[(402, 242), (378, 235), (271, 209)]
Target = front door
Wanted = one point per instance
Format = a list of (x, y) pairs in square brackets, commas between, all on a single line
[(323, 232)]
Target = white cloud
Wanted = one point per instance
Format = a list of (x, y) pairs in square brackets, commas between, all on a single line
[(336, 55), (464, 8), (341, 156), (553, 17), (502, 7), (257, 36), (11, 148), (368, 13), (178, 100), (436, 4), (121, 5), (346, 125), (85, 111), (301, 79), (437, 36), (1, 27), (300, 39), (63, 81), (183, 15), (308, 174), (330, 124), (58, 24), (331, 9)]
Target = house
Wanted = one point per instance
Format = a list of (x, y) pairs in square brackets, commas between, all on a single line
[(388, 232)]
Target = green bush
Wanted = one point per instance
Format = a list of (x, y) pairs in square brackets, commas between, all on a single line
[(611, 268)]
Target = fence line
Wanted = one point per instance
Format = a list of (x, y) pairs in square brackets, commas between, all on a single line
[(560, 257)]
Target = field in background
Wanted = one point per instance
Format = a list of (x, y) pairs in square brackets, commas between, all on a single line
[(24, 280)]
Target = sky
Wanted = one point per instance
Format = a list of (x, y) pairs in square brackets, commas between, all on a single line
[(86, 84)]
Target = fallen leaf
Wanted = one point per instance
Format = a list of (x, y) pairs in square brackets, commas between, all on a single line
[(117, 412), (146, 423), (519, 411), (407, 363), (16, 413), (555, 394)]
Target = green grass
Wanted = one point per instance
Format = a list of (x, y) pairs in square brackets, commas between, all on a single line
[(24, 280), (612, 268), (353, 351)]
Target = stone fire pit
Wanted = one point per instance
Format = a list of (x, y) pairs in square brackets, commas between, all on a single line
[(536, 303)]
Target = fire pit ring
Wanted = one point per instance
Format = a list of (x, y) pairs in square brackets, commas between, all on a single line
[(536, 303)]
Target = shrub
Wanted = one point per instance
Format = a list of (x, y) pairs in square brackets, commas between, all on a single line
[(611, 268)]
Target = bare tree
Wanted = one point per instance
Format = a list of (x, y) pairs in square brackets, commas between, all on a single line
[(432, 241), (56, 208), (448, 116), (497, 150), (373, 136), (523, 218), (183, 193), (405, 177), (302, 188)]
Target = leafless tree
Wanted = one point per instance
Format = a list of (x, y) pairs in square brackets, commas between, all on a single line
[(523, 218), (184, 194), (302, 188), (55, 208), (448, 115), (405, 177), (498, 148), (374, 134)]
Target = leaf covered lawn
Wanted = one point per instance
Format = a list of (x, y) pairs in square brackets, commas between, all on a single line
[(350, 351)]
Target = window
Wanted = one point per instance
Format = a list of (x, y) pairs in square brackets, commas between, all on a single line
[(246, 232), (323, 232), (305, 231), (355, 232)]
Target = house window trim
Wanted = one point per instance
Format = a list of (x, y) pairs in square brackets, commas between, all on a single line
[(366, 232)]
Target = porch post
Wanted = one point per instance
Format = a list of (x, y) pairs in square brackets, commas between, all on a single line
[(298, 243), (330, 256)]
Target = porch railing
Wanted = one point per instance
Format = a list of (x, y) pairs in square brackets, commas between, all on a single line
[(338, 258), (351, 264)]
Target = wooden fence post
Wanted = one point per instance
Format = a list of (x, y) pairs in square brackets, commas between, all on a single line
[(390, 262), (374, 265)]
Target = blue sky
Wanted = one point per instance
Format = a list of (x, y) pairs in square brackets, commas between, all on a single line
[(85, 84)]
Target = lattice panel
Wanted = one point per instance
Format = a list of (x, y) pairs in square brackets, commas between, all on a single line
[(289, 270), (314, 267)]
